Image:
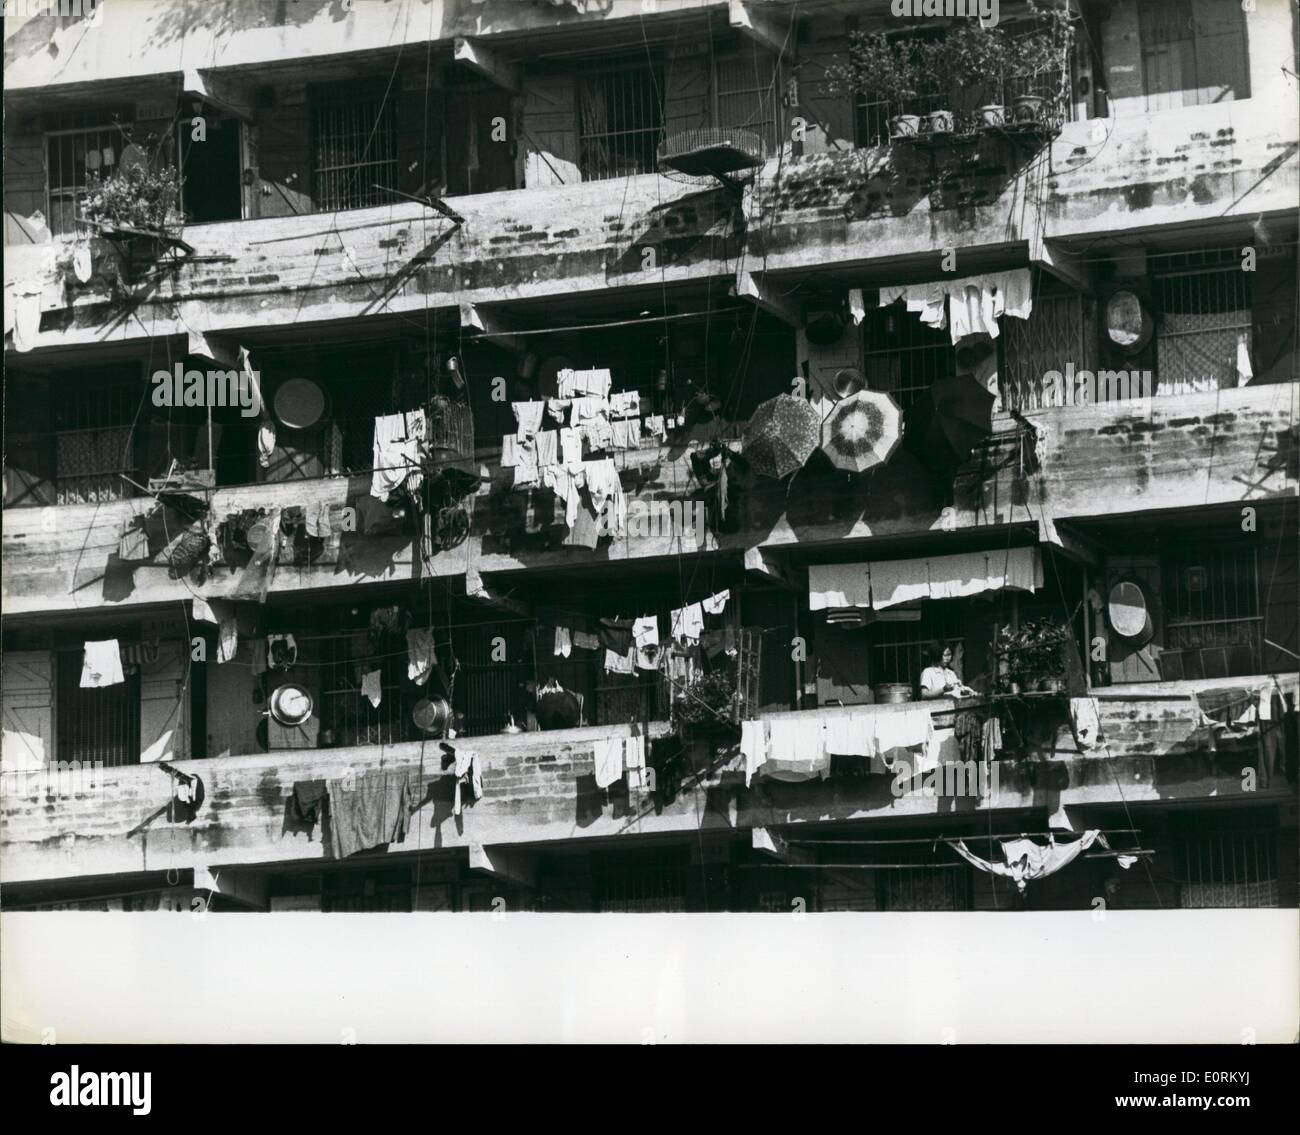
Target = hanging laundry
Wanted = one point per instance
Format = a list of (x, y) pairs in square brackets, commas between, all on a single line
[(626, 434), (587, 409), (572, 383), (598, 434), (753, 747), (26, 299), (602, 481), (607, 753), (717, 603), (570, 448), (201, 610), (557, 410), (266, 442), (852, 734), (584, 640), (992, 740), (655, 426), (81, 261), (634, 761), (645, 637), (616, 634), (1027, 860), (308, 801), (101, 664), (620, 663), (526, 467), (373, 810), (585, 532), (1085, 721), (688, 622), (317, 520), (469, 778), (563, 642), (528, 418), (548, 448), (509, 451), (396, 459), (797, 748), (838, 586), (625, 404), (420, 656), (372, 686), (227, 638), (565, 484)]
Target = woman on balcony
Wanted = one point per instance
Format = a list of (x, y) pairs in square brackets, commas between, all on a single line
[(938, 679)]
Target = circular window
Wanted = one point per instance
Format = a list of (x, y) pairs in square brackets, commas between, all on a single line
[(1128, 323), (1128, 610)]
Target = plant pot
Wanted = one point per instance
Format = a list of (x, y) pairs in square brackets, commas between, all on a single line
[(993, 117), (939, 122), (1051, 686), (904, 126), (1029, 110)]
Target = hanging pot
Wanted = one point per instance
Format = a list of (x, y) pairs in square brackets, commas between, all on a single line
[(1028, 110), (904, 126), (939, 122), (432, 716)]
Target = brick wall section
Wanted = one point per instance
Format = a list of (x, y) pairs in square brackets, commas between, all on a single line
[(1099, 460), (537, 789)]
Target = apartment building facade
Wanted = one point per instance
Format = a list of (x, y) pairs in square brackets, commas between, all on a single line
[(843, 393)]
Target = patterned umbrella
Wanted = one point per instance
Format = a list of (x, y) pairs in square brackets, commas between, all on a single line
[(781, 436), (862, 430)]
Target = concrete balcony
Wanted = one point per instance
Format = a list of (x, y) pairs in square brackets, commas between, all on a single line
[(539, 788), (1106, 459), (869, 216)]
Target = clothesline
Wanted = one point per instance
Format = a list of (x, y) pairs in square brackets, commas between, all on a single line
[(947, 839)]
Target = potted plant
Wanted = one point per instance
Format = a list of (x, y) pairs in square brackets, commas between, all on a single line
[(1030, 656), (882, 70), (708, 704), (1044, 51), (137, 198), (967, 62)]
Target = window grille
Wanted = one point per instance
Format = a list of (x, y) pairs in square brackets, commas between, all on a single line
[(902, 355), (1052, 336), (898, 649), (94, 439), (355, 146), (488, 688), (748, 92), (72, 158), (1232, 868), (650, 881), (1211, 597), (99, 724), (1193, 53), (345, 709), (1203, 329), (620, 121)]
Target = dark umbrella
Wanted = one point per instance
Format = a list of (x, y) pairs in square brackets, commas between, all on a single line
[(781, 435), (963, 414)]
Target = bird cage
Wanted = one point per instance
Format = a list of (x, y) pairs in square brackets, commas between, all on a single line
[(451, 429)]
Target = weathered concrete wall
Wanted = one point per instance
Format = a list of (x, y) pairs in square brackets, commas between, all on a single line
[(540, 788), (872, 211), (1100, 460), (144, 37)]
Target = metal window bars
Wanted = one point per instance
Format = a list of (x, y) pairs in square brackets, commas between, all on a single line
[(1203, 329), (355, 150), (620, 121), (72, 157)]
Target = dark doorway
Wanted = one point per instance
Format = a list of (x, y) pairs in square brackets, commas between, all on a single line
[(211, 166), (480, 148)]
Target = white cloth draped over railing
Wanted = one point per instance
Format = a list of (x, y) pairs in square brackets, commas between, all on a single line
[(887, 583)]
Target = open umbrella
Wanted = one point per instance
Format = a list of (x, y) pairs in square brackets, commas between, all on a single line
[(963, 414), (862, 430), (781, 435)]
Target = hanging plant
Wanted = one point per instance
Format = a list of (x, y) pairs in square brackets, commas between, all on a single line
[(137, 195)]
